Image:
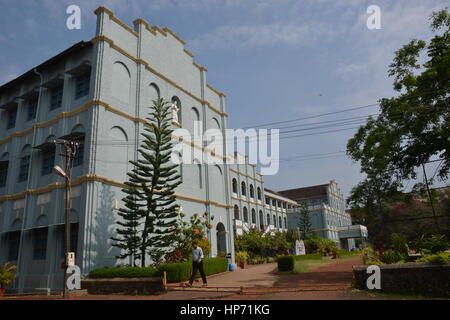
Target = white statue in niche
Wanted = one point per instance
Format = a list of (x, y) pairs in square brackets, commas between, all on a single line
[(175, 110)]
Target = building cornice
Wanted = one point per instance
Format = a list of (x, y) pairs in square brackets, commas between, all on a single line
[(111, 109), (245, 175), (96, 178)]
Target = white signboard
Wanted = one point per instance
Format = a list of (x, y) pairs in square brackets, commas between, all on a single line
[(300, 247), (70, 259)]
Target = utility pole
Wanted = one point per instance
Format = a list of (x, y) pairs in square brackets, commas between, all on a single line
[(69, 154), (429, 196)]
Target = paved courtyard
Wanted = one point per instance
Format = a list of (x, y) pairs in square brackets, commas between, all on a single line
[(260, 282)]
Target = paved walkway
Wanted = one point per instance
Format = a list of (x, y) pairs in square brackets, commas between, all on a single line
[(331, 281)]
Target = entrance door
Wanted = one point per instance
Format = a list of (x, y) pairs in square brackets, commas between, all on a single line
[(221, 238)]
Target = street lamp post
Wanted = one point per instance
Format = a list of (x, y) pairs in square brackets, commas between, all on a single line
[(67, 175)]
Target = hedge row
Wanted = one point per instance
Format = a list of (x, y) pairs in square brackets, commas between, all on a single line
[(129, 272), (175, 272), (286, 263)]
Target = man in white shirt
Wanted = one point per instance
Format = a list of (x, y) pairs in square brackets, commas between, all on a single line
[(197, 263)]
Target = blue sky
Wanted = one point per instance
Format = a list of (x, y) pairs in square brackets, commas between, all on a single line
[(275, 59)]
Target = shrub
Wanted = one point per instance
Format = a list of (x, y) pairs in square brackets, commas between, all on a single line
[(320, 245), (242, 256), (175, 272), (369, 255), (215, 265), (390, 256), (286, 263), (6, 274), (438, 258), (399, 245), (127, 272), (434, 244)]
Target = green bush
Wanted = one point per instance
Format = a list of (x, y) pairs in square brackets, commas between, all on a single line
[(391, 256), (438, 258), (369, 255), (311, 256), (434, 244), (128, 272), (175, 272), (399, 245), (320, 245), (242, 256), (215, 265), (286, 263)]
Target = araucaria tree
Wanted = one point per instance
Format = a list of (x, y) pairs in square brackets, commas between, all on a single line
[(304, 222), (150, 216)]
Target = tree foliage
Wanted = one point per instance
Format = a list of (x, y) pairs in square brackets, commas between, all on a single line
[(304, 221), (150, 213), (410, 130)]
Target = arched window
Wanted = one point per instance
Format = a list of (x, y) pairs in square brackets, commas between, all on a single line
[(180, 167), (280, 225), (274, 221), (244, 189), (236, 212), (176, 100), (268, 219), (121, 81), (24, 163), (252, 191), (216, 123), (154, 92), (254, 216), (196, 116), (285, 223), (259, 193), (261, 220), (4, 164), (245, 214), (234, 185)]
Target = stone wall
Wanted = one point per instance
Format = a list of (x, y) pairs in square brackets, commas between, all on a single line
[(423, 279), (123, 286)]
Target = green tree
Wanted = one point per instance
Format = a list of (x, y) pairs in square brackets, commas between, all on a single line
[(304, 221), (128, 237), (150, 200), (410, 128)]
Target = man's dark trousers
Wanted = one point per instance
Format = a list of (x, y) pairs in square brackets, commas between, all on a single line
[(197, 266)]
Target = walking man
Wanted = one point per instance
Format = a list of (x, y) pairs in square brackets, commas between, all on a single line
[(197, 263)]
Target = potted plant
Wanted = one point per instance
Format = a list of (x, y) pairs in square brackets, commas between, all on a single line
[(6, 276), (242, 259)]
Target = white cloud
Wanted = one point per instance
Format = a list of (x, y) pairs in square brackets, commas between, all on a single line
[(230, 37)]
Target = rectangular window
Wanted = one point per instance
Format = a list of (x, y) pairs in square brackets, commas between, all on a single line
[(23, 169), (78, 159), (40, 244), (82, 85), (13, 250), (3, 173), (32, 108), (12, 115), (48, 161), (56, 98)]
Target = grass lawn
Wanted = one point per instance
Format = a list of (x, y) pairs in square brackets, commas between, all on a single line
[(309, 265)]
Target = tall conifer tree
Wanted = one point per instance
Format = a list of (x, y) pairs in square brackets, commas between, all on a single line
[(151, 190)]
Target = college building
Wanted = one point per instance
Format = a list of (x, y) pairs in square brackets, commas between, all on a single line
[(326, 209), (99, 92)]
